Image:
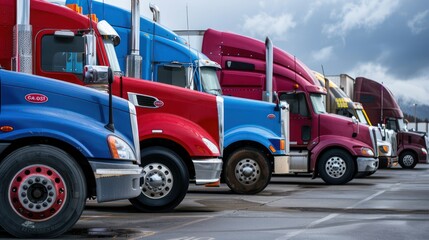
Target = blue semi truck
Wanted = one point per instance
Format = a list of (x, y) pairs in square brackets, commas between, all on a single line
[(255, 140), (57, 149)]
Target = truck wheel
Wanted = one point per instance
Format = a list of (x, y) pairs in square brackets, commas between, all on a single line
[(165, 182), (43, 192), (247, 171), (408, 160), (336, 167)]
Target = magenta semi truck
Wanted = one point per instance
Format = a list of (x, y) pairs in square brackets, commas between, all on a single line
[(333, 147), (382, 107)]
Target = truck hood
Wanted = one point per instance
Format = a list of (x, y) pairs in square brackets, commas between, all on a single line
[(332, 124), (241, 112), (57, 87)]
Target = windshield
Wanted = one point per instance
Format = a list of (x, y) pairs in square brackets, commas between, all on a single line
[(402, 125), (361, 116), (210, 81), (111, 55), (319, 102)]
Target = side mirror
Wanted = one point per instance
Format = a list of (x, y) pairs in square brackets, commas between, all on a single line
[(97, 75)]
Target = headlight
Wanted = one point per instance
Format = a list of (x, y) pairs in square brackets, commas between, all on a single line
[(211, 146), (384, 148), (120, 149), (366, 152), (425, 152)]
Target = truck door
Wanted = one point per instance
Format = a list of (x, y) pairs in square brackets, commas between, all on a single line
[(300, 118), (60, 56)]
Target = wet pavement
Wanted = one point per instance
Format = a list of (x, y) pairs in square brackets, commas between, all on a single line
[(391, 204)]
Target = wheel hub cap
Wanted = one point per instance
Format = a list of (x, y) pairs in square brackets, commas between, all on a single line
[(158, 180), (37, 193), (408, 160), (247, 171), (335, 167)]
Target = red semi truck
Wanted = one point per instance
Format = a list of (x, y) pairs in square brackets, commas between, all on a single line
[(382, 107), (180, 130), (326, 145)]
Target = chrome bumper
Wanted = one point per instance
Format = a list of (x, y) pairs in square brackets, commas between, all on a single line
[(207, 170), (116, 181), (367, 164)]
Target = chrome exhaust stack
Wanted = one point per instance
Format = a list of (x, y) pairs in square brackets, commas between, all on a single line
[(268, 93), (134, 60), (22, 60), (155, 12)]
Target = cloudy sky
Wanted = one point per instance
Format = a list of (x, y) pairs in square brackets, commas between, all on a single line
[(385, 40)]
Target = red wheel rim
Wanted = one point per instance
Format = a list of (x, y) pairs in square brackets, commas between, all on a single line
[(37, 192)]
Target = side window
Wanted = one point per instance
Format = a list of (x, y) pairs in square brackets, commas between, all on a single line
[(391, 124), (172, 75), (63, 54), (297, 103)]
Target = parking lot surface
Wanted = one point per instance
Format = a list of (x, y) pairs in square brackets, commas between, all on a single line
[(391, 204)]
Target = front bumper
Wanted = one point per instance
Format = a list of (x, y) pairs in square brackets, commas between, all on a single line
[(116, 181), (367, 164), (207, 170), (388, 162)]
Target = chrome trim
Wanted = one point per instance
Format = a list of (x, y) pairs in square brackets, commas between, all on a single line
[(133, 98), (99, 173), (207, 170), (373, 136), (221, 117), (285, 123), (367, 164), (135, 129)]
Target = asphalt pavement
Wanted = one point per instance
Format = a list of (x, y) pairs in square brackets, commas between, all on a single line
[(391, 204)]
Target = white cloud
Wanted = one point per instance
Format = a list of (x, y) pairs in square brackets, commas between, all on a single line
[(414, 89), (419, 22), (263, 25), (366, 14), (323, 54)]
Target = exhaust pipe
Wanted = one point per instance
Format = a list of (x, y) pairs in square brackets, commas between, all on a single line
[(155, 12), (22, 45), (134, 60), (268, 93)]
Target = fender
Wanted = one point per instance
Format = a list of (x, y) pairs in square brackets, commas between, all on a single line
[(90, 141), (178, 129), (416, 148), (324, 142), (257, 134)]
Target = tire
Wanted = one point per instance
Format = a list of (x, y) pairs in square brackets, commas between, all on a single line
[(247, 171), (336, 167), (382, 163), (30, 206), (408, 160), (165, 183)]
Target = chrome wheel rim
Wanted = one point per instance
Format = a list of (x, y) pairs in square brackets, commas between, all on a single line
[(408, 160), (335, 167), (247, 171), (158, 181)]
